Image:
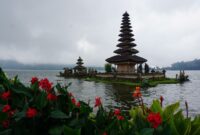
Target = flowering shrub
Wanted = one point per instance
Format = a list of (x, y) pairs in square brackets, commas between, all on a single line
[(46, 109)]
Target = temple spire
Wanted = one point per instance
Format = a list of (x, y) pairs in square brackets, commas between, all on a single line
[(126, 57), (79, 62)]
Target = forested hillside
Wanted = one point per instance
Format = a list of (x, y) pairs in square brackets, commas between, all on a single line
[(186, 65)]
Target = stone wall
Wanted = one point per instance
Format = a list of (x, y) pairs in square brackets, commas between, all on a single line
[(125, 68), (132, 76)]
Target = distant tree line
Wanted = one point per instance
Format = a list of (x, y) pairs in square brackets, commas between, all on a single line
[(188, 65)]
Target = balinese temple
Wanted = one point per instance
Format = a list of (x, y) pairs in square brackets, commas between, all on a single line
[(126, 58), (79, 68)]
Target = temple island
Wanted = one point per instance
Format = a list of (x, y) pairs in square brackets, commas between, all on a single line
[(125, 67)]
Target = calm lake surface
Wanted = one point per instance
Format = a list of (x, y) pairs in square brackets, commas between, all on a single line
[(120, 95)]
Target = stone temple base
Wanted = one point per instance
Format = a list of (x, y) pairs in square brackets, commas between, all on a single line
[(132, 76)]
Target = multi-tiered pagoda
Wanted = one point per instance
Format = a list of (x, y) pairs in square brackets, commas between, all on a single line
[(79, 68), (126, 58)]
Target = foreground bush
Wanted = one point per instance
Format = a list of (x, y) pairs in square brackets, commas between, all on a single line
[(44, 109)]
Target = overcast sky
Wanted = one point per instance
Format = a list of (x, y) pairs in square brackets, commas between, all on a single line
[(58, 31)]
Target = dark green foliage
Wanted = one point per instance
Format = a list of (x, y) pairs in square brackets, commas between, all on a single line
[(145, 83), (108, 68)]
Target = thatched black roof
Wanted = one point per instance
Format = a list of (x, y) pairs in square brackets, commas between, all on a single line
[(127, 38), (125, 29), (129, 51), (79, 59), (126, 26), (79, 67), (126, 34), (125, 23), (79, 64), (126, 44), (119, 58)]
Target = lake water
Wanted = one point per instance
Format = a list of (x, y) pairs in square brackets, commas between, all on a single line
[(120, 95)]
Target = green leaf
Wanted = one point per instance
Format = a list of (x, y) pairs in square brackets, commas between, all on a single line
[(35, 86), (69, 131), (188, 127), (56, 130), (57, 114), (136, 112), (3, 116), (156, 107), (61, 90), (173, 127), (41, 100), (19, 115), (147, 131), (21, 90), (1, 88), (197, 131), (133, 113), (18, 100), (16, 80), (6, 132), (195, 128), (170, 110)]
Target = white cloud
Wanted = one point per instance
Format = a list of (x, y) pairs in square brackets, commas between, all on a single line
[(85, 48)]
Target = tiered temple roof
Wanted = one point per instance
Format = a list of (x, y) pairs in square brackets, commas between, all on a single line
[(79, 64), (126, 52)]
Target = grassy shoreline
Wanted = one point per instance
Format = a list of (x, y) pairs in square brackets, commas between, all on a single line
[(146, 83)]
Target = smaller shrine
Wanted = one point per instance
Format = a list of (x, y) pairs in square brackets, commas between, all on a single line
[(78, 71), (79, 68)]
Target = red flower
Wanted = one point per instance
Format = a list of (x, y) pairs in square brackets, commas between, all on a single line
[(73, 101), (97, 101), (155, 119), (117, 112), (5, 95), (78, 104), (31, 112), (137, 88), (51, 97), (5, 123), (119, 117), (6, 108), (137, 93), (104, 133), (34, 80), (45, 84)]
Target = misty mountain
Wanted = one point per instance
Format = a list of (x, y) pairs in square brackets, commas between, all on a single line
[(11, 64), (186, 65)]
